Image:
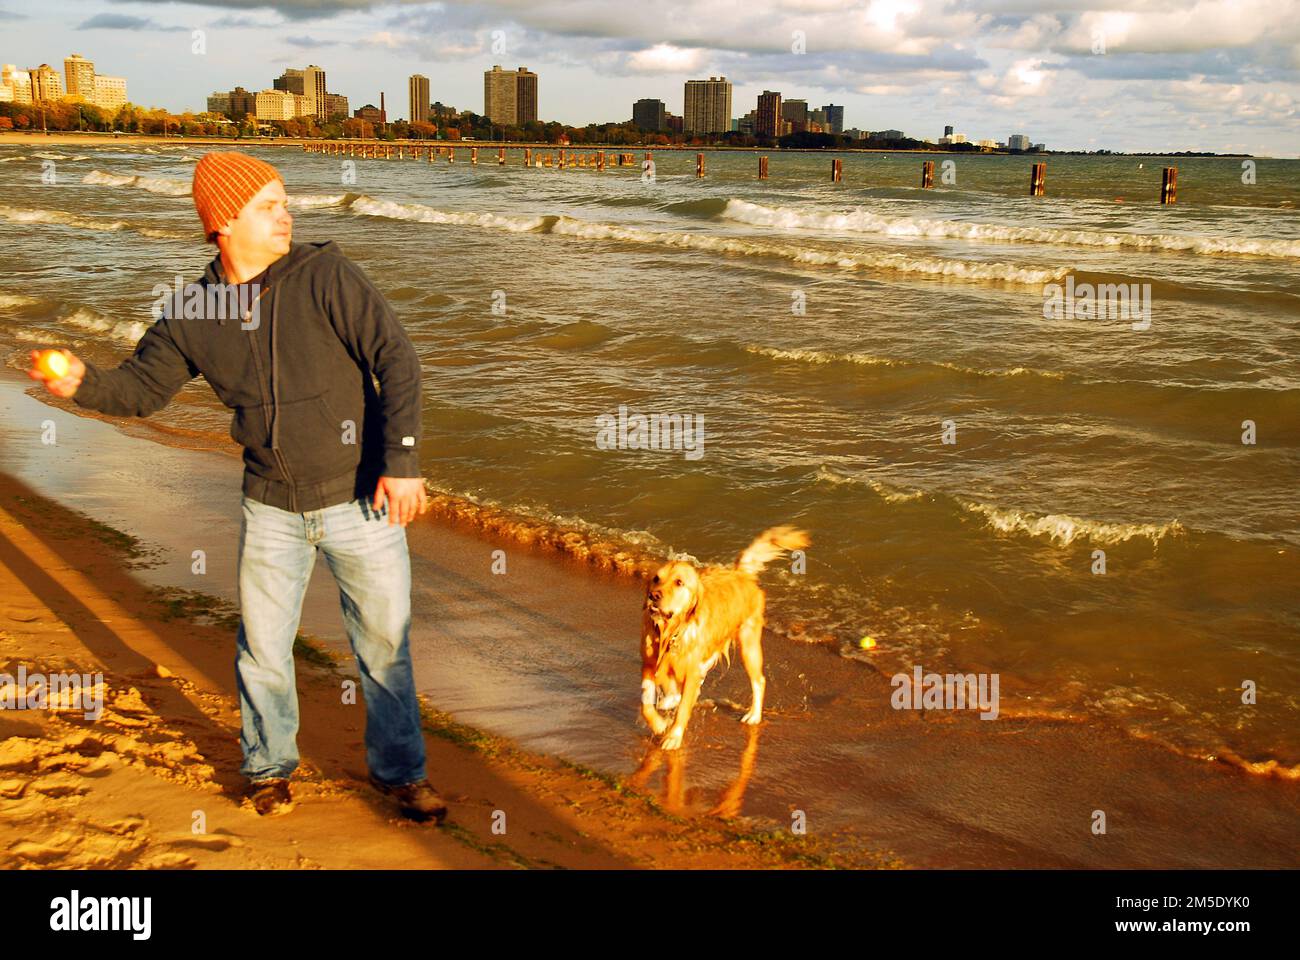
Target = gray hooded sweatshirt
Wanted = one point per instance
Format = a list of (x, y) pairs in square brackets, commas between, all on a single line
[(315, 431)]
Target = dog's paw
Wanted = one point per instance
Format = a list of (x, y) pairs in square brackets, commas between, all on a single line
[(672, 741), (752, 717), (669, 702)]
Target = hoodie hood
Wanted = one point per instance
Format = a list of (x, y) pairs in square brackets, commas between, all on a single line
[(299, 253)]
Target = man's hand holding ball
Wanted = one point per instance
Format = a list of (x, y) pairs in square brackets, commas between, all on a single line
[(60, 371)]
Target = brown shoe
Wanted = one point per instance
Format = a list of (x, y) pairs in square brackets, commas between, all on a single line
[(270, 797), (417, 801)]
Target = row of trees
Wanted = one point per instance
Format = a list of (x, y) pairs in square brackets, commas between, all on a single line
[(70, 115)]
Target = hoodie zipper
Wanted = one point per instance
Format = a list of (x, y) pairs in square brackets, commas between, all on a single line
[(273, 422), (275, 412), (272, 418)]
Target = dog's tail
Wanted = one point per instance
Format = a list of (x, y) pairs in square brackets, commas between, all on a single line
[(768, 546)]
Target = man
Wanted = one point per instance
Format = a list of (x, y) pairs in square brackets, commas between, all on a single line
[(330, 464)]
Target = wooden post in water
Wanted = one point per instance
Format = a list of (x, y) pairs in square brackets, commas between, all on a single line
[(1169, 185), (762, 168), (1038, 179), (473, 156), (927, 174), (600, 161), (837, 170), (528, 156), (451, 154), (501, 157), (699, 164)]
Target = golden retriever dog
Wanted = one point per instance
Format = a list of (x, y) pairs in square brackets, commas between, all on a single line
[(692, 617)]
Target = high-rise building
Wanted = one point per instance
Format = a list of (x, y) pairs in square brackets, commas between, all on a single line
[(834, 117), (500, 93), (708, 106), (281, 105), (1017, 141), (219, 103), (795, 112), (15, 84), (768, 121), (947, 131), (110, 92), (650, 115), (336, 105), (525, 97), (80, 75), (417, 88), (242, 103), (46, 84), (291, 81), (510, 97), (440, 110), (313, 88)]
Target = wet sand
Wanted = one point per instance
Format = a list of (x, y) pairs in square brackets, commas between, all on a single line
[(545, 655)]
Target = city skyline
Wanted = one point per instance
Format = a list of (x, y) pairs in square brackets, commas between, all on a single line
[(1232, 90)]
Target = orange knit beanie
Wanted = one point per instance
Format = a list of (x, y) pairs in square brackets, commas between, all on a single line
[(223, 185)]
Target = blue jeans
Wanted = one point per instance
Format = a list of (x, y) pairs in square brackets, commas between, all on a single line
[(369, 559)]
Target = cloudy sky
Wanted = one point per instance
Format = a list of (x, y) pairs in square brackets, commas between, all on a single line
[(1221, 75)]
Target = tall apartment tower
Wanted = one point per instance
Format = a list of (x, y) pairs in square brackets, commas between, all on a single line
[(708, 106), (768, 122), (418, 90), (650, 115), (500, 94), (525, 96), (80, 75), (796, 112), (46, 84), (15, 84), (947, 131), (834, 117), (291, 81), (313, 88), (510, 96)]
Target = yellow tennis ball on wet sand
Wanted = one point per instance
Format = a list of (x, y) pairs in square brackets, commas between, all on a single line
[(867, 643), (52, 364)]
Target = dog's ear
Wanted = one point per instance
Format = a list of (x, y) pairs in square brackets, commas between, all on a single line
[(695, 602)]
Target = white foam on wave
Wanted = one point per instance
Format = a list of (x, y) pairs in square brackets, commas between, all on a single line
[(927, 266), (310, 201), (64, 219), (419, 213), (1063, 529), (591, 230), (162, 185), (883, 490), (9, 301), (867, 359), (1059, 528), (864, 221), (127, 331)]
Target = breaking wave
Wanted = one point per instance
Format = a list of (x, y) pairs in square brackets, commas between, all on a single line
[(864, 221)]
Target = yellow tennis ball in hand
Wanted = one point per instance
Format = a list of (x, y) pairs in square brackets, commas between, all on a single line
[(53, 365)]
